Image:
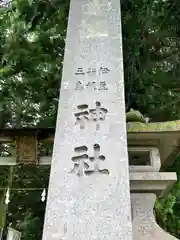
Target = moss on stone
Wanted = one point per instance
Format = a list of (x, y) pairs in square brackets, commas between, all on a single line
[(153, 127)]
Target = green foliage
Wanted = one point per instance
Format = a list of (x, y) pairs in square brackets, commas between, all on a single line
[(26, 213), (168, 211), (31, 52), (26, 210), (151, 57)]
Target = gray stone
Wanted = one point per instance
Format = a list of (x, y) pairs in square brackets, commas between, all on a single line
[(153, 182), (145, 159), (89, 195), (143, 220)]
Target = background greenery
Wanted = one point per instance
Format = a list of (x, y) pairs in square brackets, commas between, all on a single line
[(32, 39)]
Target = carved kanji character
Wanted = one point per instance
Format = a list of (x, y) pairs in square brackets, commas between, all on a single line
[(79, 85), (79, 161), (103, 70), (79, 71), (98, 114), (81, 167), (96, 159), (91, 84), (102, 86), (82, 115), (91, 71)]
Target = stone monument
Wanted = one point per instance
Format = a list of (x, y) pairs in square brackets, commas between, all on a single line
[(152, 148), (89, 195)]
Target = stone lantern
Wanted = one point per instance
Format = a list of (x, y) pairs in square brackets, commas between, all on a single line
[(152, 147)]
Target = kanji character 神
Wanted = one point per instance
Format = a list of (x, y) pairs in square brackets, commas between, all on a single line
[(98, 114)]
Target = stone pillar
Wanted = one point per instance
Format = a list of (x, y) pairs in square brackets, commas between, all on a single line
[(89, 194)]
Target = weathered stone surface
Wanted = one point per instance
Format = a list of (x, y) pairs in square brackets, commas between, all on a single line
[(154, 127), (160, 135), (89, 195), (145, 159), (144, 223), (153, 182)]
